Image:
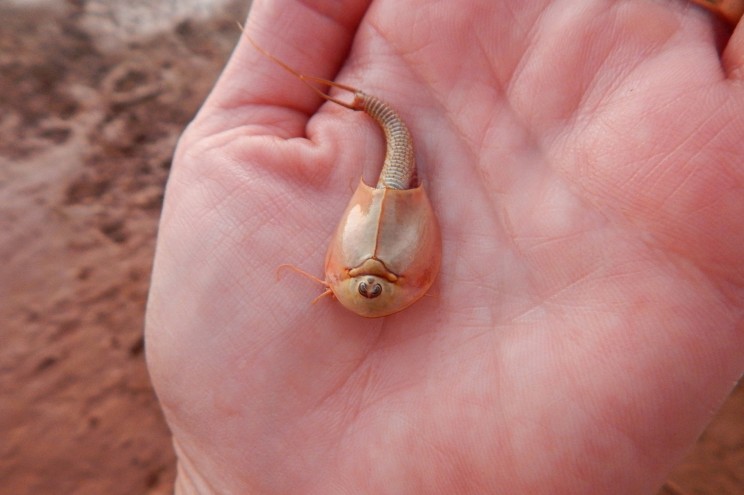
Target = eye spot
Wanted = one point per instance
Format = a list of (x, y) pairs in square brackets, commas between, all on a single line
[(369, 288)]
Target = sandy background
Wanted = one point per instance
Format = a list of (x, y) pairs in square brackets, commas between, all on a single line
[(93, 95)]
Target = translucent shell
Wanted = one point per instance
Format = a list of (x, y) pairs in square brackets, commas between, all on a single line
[(386, 251)]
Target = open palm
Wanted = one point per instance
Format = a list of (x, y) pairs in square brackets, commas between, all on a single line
[(585, 162)]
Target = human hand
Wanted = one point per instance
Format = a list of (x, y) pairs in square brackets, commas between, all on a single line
[(585, 162)]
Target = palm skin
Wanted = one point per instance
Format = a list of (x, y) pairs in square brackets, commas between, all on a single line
[(584, 160)]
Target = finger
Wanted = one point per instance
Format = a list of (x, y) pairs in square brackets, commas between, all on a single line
[(728, 10), (311, 36), (733, 54)]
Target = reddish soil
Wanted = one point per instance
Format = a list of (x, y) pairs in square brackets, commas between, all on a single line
[(93, 98), (94, 95)]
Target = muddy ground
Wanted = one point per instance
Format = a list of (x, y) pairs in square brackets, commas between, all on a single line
[(93, 95)]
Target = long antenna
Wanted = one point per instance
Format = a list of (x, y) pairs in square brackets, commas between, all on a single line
[(305, 78)]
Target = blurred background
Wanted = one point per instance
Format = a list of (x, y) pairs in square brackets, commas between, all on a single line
[(93, 97)]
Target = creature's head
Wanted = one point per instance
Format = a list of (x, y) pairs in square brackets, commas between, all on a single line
[(370, 295)]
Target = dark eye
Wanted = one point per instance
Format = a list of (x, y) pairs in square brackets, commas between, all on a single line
[(369, 288)]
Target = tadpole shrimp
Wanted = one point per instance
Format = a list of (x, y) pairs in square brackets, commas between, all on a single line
[(387, 248)]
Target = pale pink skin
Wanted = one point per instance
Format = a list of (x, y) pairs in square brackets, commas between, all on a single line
[(585, 162)]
